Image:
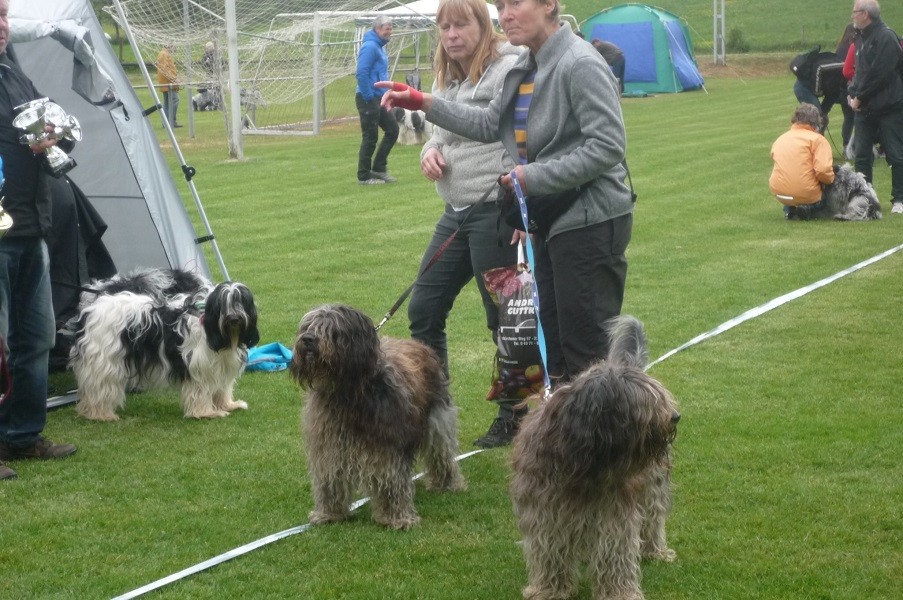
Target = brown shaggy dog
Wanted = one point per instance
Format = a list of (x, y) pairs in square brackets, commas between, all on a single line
[(591, 475), (372, 405)]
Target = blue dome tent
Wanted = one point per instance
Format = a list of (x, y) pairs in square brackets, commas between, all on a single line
[(656, 45)]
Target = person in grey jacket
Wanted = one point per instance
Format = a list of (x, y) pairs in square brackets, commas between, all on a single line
[(574, 135), (471, 62)]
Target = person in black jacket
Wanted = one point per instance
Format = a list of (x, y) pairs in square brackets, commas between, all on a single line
[(27, 321), (876, 95)]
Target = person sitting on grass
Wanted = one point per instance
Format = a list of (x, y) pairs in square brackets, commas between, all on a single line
[(803, 164)]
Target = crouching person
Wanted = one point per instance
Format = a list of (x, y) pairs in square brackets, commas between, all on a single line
[(803, 164)]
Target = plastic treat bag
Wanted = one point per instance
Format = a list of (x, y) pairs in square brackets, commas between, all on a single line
[(518, 371)]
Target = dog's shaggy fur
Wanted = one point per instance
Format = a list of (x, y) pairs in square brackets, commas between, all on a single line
[(591, 475), (850, 198), (179, 330), (372, 405), (161, 284)]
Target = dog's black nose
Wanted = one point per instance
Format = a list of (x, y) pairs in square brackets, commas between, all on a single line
[(675, 417), (309, 340)]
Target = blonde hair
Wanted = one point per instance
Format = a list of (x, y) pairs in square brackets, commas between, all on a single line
[(487, 49)]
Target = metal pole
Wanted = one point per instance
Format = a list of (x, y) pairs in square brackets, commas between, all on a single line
[(316, 99), (188, 171), (235, 144), (186, 23)]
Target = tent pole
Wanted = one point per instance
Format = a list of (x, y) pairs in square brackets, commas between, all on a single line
[(188, 171)]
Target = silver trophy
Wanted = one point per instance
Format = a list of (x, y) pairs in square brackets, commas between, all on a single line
[(34, 117)]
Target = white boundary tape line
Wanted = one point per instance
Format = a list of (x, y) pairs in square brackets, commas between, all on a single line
[(241, 550), (771, 304)]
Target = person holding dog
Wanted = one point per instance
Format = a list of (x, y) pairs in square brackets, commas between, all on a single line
[(803, 163), (373, 66), (470, 64), (559, 116), (876, 96)]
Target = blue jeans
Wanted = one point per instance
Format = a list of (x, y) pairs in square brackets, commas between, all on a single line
[(171, 106), (480, 245), (28, 327)]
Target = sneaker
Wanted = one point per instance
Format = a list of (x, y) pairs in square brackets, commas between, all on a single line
[(6, 472), (384, 176), (897, 207), (500, 433), (43, 449), (371, 181)]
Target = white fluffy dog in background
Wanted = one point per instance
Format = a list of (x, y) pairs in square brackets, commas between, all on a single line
[(413, 128), (131, 341)]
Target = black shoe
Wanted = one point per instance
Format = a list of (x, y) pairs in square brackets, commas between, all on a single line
[(500, 433), (43, 449), (6, 472)]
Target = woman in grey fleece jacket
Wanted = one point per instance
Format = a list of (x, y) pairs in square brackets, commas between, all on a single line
[(471, 63), (574, 135)]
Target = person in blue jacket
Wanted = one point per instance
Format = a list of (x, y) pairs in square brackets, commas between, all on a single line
[(373, 66)]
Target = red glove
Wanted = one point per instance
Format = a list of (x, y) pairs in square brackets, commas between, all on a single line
[(413, 102)]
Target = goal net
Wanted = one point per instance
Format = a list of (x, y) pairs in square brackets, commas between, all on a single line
[(296, 58)]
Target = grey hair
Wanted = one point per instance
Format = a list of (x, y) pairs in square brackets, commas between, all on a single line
[(871, 7), (380, 21), (808, 114)]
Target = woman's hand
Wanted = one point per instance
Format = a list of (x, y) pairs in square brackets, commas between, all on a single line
[(518, 237), (433, 164), (404, 96), (507, 181)]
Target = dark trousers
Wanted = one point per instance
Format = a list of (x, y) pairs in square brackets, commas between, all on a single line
[(580, 276), (374, 117), (475, 249), (886, 129)]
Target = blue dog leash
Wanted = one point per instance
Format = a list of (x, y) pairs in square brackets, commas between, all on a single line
[(531, 263)]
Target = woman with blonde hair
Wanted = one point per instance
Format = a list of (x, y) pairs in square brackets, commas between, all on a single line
[(559, 116), (470, 65)]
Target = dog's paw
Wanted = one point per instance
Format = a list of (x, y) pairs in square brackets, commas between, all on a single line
[(401, 523), (100, 416), (533, 592), (666, 555), (93, 414), (235, 405), (452, 484), (207, 414), (317, 517)]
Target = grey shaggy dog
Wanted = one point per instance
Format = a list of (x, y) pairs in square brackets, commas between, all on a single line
[(850, 198), (372, 406), (591, 478)]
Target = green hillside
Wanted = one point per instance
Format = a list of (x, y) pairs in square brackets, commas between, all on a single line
[(764, 25)]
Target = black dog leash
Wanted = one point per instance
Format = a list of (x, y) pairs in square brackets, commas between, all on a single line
[(434, 259)]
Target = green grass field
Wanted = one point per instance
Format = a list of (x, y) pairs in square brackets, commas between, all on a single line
[(787, 472)]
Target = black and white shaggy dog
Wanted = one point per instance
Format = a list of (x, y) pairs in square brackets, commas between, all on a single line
[(372, 405), (413, 128), (591, 478), (160, 284), (850, 198), (127, 341)]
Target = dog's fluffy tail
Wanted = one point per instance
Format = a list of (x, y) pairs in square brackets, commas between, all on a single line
[(627, 342)]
